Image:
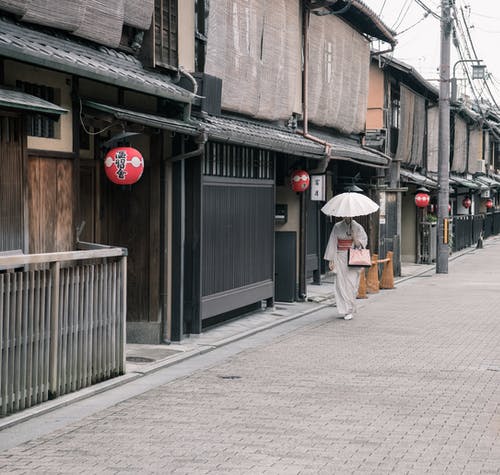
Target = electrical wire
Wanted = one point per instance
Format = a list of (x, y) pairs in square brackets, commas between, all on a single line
[(471, 84), (382, 8), (421, 4), (412, 26), (398, 19), (469, 37), (88, 132)]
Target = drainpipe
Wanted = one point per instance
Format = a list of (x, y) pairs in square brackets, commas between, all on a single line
[(305, 84), (187, 111), (374, 54), (305, 133), (201, 141), (305, 96)]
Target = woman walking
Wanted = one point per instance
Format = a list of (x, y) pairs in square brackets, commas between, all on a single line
[(345, 234)]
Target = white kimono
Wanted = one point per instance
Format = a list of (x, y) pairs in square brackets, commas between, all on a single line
[(347, 278)]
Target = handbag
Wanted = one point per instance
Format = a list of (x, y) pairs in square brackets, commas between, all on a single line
[(359, 258)]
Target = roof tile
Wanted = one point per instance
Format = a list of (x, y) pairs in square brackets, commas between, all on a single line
[(63, 53)]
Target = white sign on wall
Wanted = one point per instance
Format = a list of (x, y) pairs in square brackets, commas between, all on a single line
[(318, 187)]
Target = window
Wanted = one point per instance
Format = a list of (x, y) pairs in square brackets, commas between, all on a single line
[(395, 113), (394, 118), (40, 125), (201, 34), (166, 33), (233, 161)]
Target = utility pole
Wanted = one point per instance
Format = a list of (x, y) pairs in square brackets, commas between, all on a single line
[(444, 141)]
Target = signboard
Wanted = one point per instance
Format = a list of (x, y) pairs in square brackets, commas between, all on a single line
[(318, 187)]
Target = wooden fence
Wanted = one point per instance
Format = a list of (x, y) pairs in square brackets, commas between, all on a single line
[(62, 323)]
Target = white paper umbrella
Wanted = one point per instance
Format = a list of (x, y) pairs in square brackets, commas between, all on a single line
[(349, 205)]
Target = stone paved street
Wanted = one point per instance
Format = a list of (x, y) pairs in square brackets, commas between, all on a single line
[(410, 385)]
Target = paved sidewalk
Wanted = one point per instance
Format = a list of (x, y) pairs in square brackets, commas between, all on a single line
[(318, 297), (410, 385), (146, 359)]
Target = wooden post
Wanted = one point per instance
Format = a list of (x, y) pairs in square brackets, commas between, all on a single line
[(387, 278), (362, 285), (123, 314), (372, 282), (55, 269)]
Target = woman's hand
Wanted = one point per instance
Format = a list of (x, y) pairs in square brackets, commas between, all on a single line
[(331, 265), (357, 244)]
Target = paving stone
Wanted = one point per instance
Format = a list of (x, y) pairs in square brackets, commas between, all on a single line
[(402, 388)]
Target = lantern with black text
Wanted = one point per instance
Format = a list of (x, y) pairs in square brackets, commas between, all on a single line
[(124, 165), (300, 181), (422, 200), (466, 203), (489, 203)]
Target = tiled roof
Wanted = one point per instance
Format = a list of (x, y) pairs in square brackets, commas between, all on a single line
[(379, 29), (62, 53), (347, 148), (150, 120), (257, 134), (360, 16), (281, 139), (20, 100), (459, 181), (486, 180), (410, 73), (415, 177)]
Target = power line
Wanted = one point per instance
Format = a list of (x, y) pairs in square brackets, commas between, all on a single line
[(382, 8), (421, 4), (469, 38), (467, 31), (399, 19), (462, 56), (415, 24)]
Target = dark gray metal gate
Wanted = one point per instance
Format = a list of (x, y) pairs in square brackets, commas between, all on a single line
[(237, 228)]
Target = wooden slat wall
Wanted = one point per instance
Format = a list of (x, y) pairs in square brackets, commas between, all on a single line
[(131, 220), (24, 338), (90, 326), (11, 184), (88, 205), (91, 313), (50, 202)]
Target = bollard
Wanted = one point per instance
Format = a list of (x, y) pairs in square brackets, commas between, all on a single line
[(387, 278), (372, 284), (362, 285)]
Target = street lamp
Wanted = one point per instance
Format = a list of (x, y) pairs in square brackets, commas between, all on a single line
[(478, 72)]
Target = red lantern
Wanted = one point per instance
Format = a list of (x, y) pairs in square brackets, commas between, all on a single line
[(422, 200), (124, 165), (300, 181), (466, 202), (489, 203)]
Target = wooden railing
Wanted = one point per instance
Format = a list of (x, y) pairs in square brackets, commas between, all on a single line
[(62, 322)]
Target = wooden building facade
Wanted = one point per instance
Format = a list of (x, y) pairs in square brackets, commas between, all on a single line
[(402, 120), (222, 120)]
